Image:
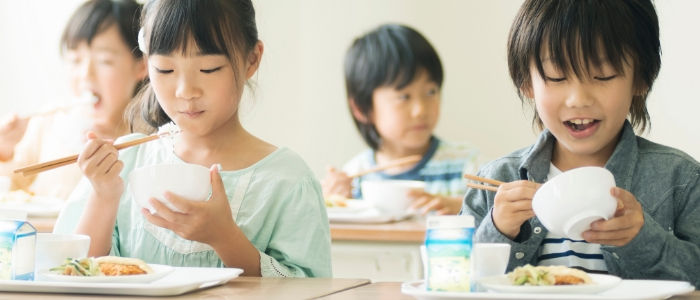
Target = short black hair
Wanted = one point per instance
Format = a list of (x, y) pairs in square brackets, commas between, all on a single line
[(221, 27), (95, 16), (390, 55), (627, 31)]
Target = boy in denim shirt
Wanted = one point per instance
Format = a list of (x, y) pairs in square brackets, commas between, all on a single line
[(587, 66)]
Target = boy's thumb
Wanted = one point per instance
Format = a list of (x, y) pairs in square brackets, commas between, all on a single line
[(91, 135)]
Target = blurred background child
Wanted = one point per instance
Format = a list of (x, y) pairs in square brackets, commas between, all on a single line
[(589, 83), (99, 45), (393, 77), (265, 214)]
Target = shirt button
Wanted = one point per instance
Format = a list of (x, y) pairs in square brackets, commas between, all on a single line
[(519, 255), (615, 255), (538, 230)]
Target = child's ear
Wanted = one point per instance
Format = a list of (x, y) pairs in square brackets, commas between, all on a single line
[(254, 58), (356, 112)]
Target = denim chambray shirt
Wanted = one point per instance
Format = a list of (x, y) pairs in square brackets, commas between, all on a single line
[(664, 180)]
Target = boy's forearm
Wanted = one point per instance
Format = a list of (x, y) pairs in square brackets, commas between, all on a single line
[(235, 250), (98, 221)]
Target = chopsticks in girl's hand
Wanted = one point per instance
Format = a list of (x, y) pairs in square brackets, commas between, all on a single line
[(49, 165), (494, 182), (395, 163)]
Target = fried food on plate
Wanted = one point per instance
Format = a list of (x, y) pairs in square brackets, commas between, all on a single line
[(548, 275), (103, 266), (116, 266)]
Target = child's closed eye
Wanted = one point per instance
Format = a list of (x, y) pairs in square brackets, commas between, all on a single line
[(605, 78), (555, 79), (209, 71), (162, 71)]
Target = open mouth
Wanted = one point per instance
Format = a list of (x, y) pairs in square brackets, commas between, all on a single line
[(580, 124)]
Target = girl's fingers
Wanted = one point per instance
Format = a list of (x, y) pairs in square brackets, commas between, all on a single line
[(217, 184), (185, 206), (163, 211), (115, 168), (157, 220)]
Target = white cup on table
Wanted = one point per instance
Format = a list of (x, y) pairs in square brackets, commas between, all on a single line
[(488, 259)]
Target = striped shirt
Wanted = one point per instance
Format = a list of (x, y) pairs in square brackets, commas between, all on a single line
[(562, 251), (441, 168)]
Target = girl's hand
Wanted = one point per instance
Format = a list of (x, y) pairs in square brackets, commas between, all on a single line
[(426, 202), (513, 206), (623, 226), (202, 221), (336, 183), (12, 129), (100, 163)]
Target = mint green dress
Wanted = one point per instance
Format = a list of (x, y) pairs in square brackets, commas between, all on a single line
[(277, 203)]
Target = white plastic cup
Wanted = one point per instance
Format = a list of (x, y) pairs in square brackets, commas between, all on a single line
[(53, 248), (488, 259)]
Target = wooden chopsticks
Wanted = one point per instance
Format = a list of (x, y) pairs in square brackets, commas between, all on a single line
[(49, 165), (494, 182), (395, 163)]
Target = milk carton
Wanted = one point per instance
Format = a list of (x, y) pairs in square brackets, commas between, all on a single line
[(17, 242), (448, 244)]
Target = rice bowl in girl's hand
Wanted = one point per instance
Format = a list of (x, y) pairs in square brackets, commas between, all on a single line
[(189, 181)]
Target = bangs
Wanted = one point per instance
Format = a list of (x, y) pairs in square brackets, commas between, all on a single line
[(87, 22), (177, 24), (583, 36), (394, 55)]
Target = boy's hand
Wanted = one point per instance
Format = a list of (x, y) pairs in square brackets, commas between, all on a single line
[(100, 163), (513, 206), (202, 221), (623, 226), (336, 183), (12, 130), (426, 202)]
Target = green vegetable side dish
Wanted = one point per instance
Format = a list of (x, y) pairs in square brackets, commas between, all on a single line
[(78, 267)]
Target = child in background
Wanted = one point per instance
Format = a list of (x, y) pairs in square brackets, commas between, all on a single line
[(589, 81), (99, 44), (265, 214), (393, 78)]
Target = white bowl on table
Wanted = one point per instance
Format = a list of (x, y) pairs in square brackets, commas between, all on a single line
[(568, 203), (188, 181), (390, 196), (52, 249)]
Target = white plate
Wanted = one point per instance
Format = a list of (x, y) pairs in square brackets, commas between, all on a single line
[(180, 281), (38, 206), (352, 206), (366, 214), (159, 271), (502, 284), (626, 290)]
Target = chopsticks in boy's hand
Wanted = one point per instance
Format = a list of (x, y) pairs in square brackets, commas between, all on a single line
[(495, 182), (49, 165), (395, 163)]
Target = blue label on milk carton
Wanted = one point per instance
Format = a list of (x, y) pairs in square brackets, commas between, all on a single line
[(17, 242), (448, 249)]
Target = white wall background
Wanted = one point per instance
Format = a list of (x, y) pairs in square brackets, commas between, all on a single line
[(299, 98)]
